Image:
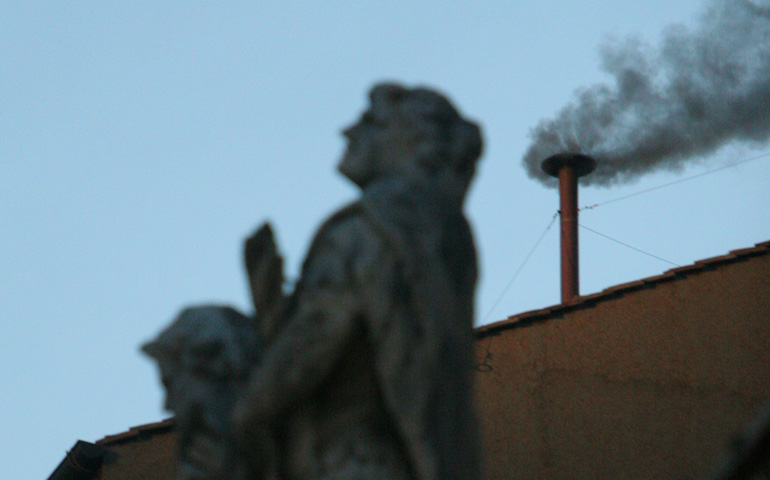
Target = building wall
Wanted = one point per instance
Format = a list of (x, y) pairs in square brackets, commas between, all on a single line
[(650, 383), (143, 453)]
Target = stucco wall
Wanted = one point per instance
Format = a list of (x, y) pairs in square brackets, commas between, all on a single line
[(148, 455), (649, 384)]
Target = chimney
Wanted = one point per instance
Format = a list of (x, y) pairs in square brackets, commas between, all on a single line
[(568, 167)]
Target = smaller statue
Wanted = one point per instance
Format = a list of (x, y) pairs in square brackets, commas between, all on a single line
[(204, 358)]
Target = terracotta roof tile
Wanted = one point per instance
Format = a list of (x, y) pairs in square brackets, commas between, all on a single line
[(135, 433), (627, 287), (757, 250), (664, 277), (723, 259), (686, 269)]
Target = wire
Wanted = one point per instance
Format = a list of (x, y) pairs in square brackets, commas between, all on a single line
[(750, 159), (518, 270), (629, 246), (485, 366)]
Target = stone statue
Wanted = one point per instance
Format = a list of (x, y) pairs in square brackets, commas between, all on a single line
[(205, 357), (369, 374), (364, 371)]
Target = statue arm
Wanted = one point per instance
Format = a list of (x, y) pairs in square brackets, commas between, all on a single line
[(319, 330), (300, 358)]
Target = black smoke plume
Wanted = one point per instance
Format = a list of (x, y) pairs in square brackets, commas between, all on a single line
[(702, 89)]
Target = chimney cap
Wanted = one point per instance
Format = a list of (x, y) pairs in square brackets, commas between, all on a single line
[(583, 164)]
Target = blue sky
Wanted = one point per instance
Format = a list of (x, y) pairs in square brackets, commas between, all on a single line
[(140, 142)]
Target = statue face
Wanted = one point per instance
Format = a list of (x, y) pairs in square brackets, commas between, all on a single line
[(413, 133), (381, 144), (359, 163), (201, 360)]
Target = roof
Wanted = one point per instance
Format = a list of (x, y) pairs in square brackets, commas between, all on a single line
[(74, 467), (586, 301), (81, 463), (140, 432)]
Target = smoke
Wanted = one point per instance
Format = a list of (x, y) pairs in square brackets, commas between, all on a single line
[(702, 89)]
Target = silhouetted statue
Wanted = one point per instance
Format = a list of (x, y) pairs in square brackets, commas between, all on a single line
[(364, 371), (205, 357), (370, 375)]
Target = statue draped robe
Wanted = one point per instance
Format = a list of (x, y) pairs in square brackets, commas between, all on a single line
[(371, 375)]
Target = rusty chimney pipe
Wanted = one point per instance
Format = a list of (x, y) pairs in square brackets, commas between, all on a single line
[(568, 167)]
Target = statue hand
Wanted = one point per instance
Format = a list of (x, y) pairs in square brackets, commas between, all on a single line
[(264, 268)]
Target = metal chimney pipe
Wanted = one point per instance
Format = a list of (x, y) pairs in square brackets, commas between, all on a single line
[(568, 167)]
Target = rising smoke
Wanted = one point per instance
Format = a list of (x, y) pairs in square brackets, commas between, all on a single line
[(702, 89)]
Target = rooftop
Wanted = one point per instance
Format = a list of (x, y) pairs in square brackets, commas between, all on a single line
[(586, 301)]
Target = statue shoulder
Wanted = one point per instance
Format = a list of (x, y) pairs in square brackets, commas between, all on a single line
[(345, 247)]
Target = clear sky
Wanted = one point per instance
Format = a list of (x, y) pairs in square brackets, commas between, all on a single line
[(140, 142)]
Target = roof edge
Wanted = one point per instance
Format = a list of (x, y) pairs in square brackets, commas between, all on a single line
[(139, 432), (82, 462), (530, 317)]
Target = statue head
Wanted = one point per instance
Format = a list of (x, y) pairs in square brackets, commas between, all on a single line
[(414, 133), (204, 358)]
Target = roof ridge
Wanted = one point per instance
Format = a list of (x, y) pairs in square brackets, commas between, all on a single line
[(138, 432)]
